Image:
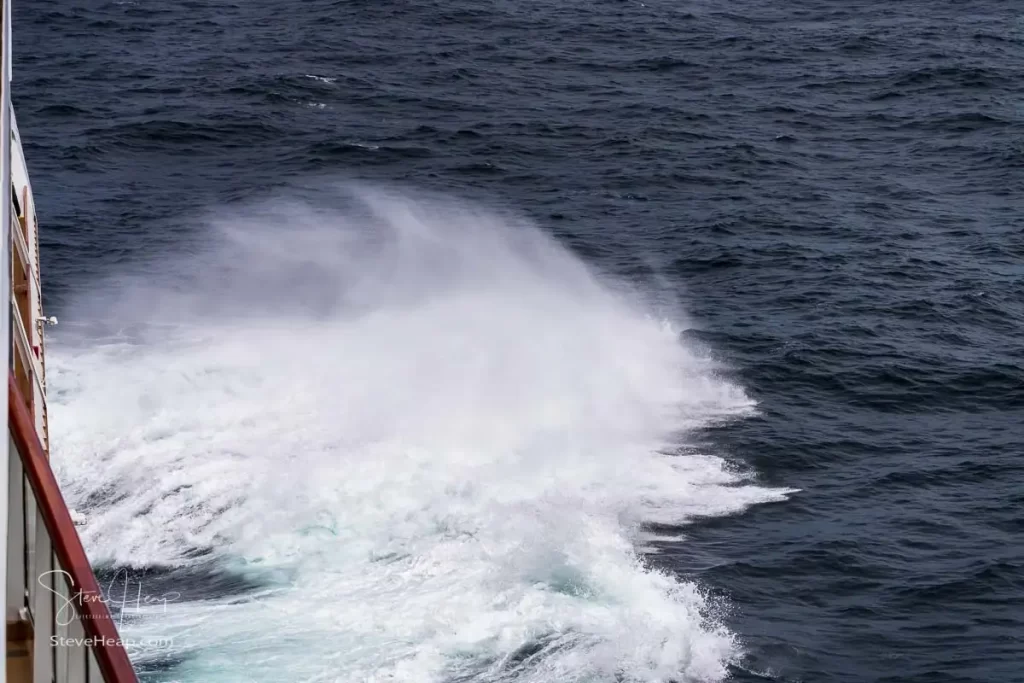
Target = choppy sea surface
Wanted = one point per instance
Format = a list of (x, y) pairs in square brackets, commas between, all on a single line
[(490, 341)]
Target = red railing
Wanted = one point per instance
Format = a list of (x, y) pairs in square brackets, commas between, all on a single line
[(87, 598)]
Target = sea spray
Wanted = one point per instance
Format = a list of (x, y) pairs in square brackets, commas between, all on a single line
[(427, 433)]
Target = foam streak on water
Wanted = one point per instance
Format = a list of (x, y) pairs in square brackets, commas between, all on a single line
[(428, 432)]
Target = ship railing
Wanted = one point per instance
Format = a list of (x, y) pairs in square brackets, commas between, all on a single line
[(62, 630), (26, 316), (25, 359), (20, 236)]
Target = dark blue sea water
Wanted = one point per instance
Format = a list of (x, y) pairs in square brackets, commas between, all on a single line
[(833, 191)]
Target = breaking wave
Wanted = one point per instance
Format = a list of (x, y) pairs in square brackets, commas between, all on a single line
[(424, 434)]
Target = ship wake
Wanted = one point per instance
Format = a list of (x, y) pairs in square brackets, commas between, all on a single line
[(424, 436)]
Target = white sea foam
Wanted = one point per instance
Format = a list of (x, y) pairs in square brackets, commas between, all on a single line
[(429, 431), (321, 79)]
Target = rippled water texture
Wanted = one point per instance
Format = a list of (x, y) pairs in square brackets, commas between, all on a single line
[(774, 343)]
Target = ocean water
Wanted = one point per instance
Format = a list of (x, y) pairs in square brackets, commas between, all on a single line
[(539, 342)]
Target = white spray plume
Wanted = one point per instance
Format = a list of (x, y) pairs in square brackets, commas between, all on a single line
[(429, 430)]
